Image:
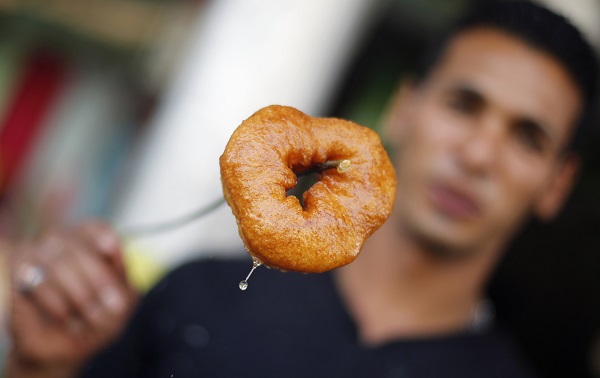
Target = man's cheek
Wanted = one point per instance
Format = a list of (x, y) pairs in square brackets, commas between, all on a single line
[(511, 206)]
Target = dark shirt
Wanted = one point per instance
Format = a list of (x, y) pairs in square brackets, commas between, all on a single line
[(198, 323)]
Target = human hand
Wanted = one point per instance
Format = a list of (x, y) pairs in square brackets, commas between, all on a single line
[(70, 298)]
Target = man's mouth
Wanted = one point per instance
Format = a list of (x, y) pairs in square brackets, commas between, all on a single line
[(454, 201)]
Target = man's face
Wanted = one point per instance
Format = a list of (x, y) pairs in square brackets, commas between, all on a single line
[(480, 141)]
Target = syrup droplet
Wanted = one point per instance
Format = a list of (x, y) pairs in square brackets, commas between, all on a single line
[(255, 264)]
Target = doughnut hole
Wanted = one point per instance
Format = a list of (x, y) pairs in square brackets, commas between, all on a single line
[(308, 175), (303, 184)]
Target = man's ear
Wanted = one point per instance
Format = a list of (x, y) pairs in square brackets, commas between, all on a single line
[(554, 196), (394, 124)]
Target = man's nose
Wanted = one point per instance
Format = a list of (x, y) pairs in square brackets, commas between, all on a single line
[(479, 150)]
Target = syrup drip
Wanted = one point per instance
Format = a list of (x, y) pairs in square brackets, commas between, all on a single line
[(255, 264)]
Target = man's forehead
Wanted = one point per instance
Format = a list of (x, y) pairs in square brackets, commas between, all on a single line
[(494, 52)]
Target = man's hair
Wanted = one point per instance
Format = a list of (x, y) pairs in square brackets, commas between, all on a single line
[(542, 29)]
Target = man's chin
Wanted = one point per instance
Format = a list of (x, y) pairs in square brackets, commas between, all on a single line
[(445, 250), (442, 245)]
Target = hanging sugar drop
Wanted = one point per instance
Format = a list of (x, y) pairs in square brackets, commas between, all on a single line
[(243, 285)]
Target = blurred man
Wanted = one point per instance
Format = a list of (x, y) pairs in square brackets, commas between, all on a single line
[(483, 139)]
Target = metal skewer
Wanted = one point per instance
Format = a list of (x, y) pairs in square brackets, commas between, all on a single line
[(142, 230)]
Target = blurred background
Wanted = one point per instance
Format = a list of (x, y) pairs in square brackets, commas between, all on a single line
[(120, 109)]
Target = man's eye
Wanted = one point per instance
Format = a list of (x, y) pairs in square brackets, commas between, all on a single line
[(529, 137), (463, 104)]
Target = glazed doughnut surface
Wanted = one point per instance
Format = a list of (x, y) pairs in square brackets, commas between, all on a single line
[(339, 212)]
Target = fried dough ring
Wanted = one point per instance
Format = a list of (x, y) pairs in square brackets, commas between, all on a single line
[(340, 211)]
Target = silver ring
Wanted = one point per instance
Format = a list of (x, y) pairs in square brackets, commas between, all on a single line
[(30, 277)]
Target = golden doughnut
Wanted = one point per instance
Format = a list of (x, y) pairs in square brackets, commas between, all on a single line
[(340, 211)]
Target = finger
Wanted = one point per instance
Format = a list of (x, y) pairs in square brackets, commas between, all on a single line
[(26, 322), (79, 277), (65, 283), (76, 286), (108, 288), (80, 286), (49, 302), (113, 295), (100, 237), (45, 296)]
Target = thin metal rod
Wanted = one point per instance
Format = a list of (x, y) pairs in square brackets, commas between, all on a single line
[(142, 230), (341, 166), (156, 228)]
